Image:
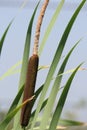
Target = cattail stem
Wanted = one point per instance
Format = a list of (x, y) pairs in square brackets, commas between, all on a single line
[(32, 72), (38, 27)]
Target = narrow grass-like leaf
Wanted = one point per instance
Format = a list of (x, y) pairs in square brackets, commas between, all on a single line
[(56, 60), (43, 67), (66, 122), (6, 121), (14, 70), (42, 107), (18, 96), (58, 128), (14, 105), (63, 124), (3, 37), (50, 26), (61, 101), (54, 92), (26, 51), (70, 71), (33, 113), (10, 71), (44, 103), (25, 63), (16, 100), (10, 116)]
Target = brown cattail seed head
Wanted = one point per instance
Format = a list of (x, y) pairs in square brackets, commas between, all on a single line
[(29, 89)]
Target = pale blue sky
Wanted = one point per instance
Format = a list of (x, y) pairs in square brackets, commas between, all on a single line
[(14, 43)]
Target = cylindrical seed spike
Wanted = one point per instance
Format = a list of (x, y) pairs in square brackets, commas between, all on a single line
[(29, 89)]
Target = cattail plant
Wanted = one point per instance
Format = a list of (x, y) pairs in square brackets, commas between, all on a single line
[(32, 72), (29, 74)]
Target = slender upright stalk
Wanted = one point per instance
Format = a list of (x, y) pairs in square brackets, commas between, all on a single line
[(32, 72), (38, 27)]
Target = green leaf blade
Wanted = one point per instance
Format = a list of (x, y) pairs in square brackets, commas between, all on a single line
[(54, 91), (50, 26), (10, 71), (10, 115), (56, 60), (14, 109), (3, 37), (24, 64), (66, 122), (61, 101)]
